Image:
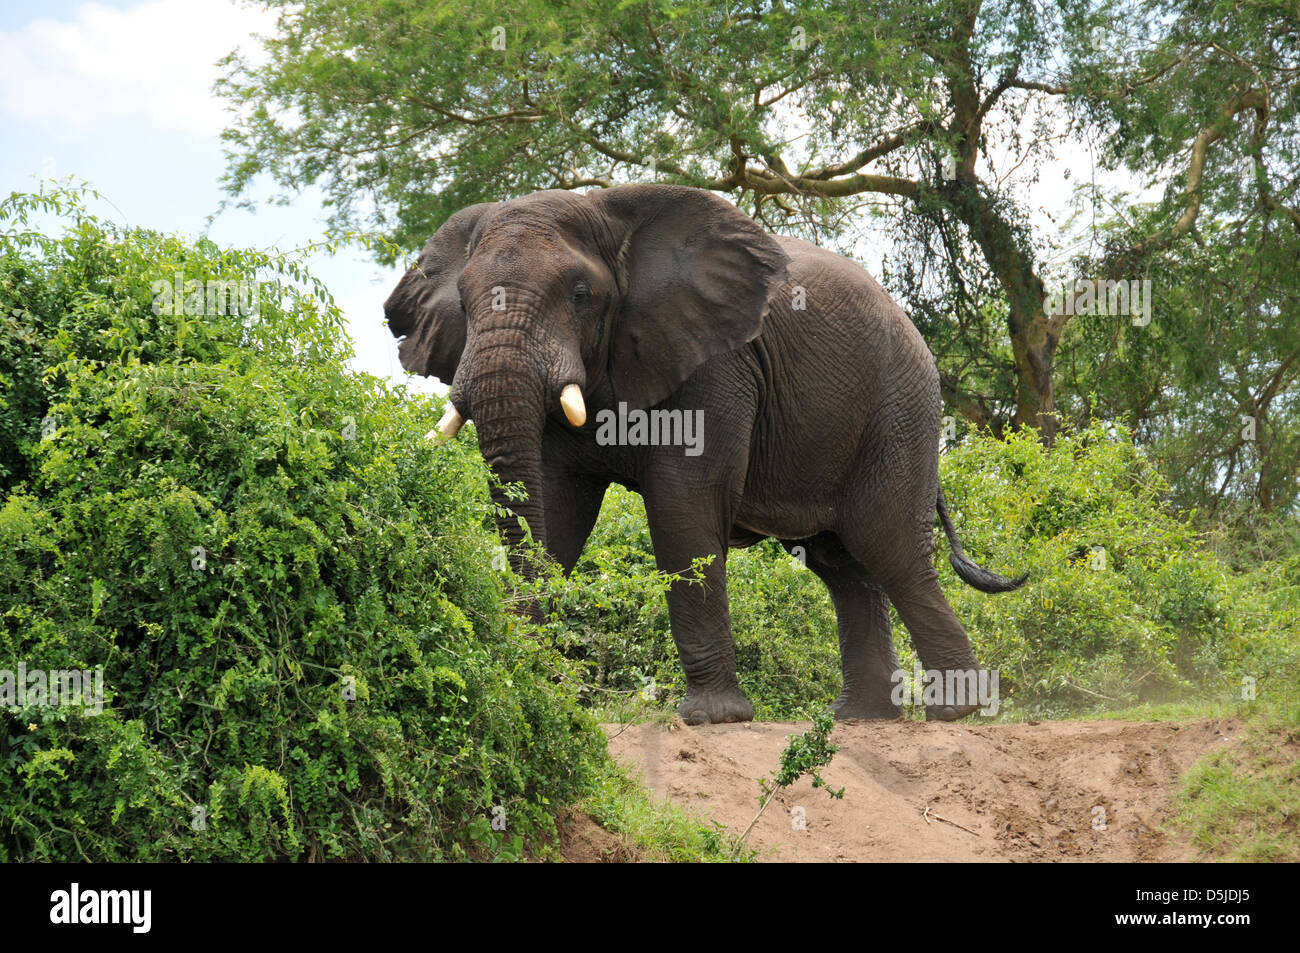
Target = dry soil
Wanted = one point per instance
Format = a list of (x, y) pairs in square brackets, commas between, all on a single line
[(916, 791)]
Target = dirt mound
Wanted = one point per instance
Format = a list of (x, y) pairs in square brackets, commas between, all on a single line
[(583, 841), (916, 791)]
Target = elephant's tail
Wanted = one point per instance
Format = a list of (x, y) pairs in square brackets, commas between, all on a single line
[(971, 573)]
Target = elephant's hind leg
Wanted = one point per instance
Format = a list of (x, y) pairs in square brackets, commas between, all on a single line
[(867, 655), (901, 563), (941, 643)]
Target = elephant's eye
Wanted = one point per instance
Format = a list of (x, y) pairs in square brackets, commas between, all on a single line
[(581, 292)]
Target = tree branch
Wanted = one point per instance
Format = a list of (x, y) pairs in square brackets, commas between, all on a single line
[(1250, 99)]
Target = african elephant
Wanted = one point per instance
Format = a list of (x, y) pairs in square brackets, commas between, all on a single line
[(816, 398)]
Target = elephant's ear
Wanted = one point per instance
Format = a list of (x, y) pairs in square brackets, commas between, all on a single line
[(425, 310), (697, 278)]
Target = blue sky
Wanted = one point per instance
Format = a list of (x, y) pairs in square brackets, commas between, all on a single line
[(118, 92)]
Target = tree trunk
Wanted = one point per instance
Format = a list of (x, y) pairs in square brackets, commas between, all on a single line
[(1034, 333)]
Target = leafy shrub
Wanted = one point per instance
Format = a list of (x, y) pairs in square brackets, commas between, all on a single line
[(1125, 602), (304, 654)]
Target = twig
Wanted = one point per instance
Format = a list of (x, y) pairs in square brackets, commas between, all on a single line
[(939, 817), (620, 731), (1089, 692), (740, 843)]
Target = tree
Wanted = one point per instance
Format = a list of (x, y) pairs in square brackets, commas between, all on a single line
[(804, 111)]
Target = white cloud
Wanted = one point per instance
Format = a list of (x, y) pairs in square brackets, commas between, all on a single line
[(154, 63)]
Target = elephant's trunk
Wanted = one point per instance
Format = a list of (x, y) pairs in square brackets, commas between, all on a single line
[(508, 402)]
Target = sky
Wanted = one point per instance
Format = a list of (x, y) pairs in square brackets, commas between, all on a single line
[(119, 93)]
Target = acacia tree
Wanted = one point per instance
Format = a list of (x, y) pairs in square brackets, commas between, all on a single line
[(1211, 386), (804, 111)]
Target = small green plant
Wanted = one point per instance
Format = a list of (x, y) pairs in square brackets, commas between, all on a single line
[(1242, 802), (806, 754)]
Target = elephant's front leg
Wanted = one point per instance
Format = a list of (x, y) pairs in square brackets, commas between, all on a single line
[(572, 505), (683, 527)]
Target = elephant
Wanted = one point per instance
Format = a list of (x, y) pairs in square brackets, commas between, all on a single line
[(817, 397)]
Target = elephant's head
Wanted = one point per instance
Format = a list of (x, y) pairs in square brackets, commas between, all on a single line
[(525, 306)]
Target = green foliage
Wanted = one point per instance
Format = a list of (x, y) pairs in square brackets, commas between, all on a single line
[(805, 754), (649, 830), (1243, 802), (442, 106), (1243, 805), (787, 646), (1208, 387), (1125, 603), (612, 617), (304, 654)]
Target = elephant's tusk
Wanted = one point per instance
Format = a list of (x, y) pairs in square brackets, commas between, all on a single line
[(574, 409), (448, 426)]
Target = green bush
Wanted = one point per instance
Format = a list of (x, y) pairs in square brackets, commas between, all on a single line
[(304, 653), (1125, 603)]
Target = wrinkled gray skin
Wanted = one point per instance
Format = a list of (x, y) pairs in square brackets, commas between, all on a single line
[(821, 425)]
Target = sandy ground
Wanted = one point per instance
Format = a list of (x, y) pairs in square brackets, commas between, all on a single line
[(916, 791)]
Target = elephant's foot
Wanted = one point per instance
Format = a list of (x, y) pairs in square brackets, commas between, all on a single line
[(864, 708), (954, 693), (949, 712), (715, 707)]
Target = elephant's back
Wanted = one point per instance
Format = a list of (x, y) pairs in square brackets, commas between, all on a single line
[(832, 309), (852, 394)]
